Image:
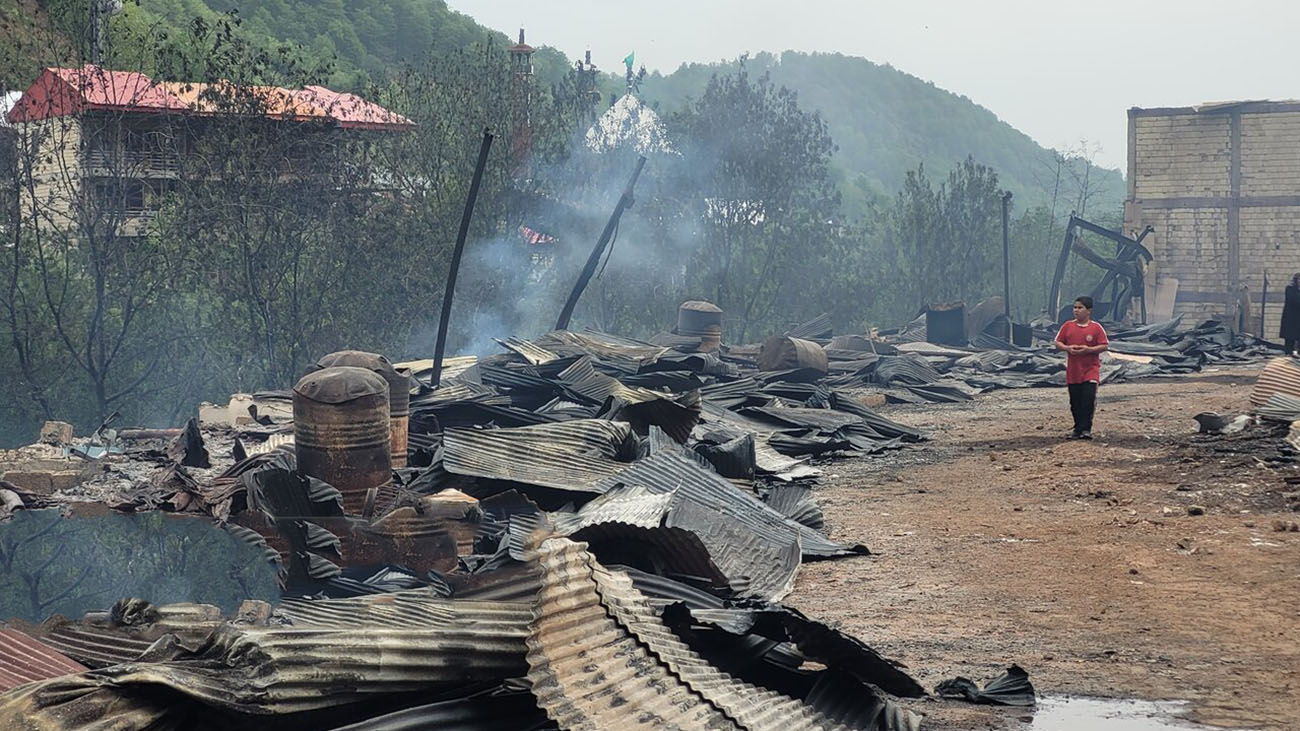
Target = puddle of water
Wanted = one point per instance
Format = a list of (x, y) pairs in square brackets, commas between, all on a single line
[(1061, 713)]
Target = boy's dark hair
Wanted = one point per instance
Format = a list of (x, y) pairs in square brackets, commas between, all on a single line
[(1085, 300)]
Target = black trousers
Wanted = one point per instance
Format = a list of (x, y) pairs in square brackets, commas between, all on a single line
[(1290, 346), (1083, 402)]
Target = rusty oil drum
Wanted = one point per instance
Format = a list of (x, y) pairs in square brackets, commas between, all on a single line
[(341, 428), (399, 393), (701, 320)]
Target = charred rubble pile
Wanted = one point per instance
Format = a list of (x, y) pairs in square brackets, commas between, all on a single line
[(583, 531), (983, 359)]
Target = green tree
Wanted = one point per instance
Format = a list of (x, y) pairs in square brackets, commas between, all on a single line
[(758, 166), (944, 243)]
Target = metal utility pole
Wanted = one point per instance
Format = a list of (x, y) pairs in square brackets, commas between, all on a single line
[(589, 269), (443, 317), (1006, 260)]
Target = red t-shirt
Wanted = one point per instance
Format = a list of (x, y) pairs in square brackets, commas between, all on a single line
[(1083, 367)]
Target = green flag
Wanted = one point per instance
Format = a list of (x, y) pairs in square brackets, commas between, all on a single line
[(628, 61)]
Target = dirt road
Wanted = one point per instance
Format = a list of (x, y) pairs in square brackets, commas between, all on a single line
[(1000, 542)]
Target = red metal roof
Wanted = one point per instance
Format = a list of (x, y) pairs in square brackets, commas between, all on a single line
[(351, 110), (24, 659), (62, 92)]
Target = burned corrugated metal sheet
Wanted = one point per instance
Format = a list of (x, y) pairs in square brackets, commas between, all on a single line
[(905, 368), (857, 705), (1280, 375), (531, 352), (587, 672), (732, 457), (607, 347), (573, 455), (817, 328), (24, 659), (797, 503), (667, 472), (629, 670), (766, 459), (334, 657), (95, 646), (816, 641), (126, 631), (668, 551), (880, 424), (82, 703), (756, 549), (631, 505), (1280, 407), (825, 420), (508, 706), (639, 406), (417, 609)]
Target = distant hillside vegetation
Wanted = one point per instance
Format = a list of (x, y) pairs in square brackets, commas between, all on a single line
[(886, 122), (359, 38)]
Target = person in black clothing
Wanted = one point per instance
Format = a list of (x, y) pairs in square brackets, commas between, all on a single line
[(1290, 328)]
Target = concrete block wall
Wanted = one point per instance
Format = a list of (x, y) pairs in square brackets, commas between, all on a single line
[(1220, 185), (1182, 156)]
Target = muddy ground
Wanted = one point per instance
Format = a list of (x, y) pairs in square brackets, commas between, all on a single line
[(1000, 542)]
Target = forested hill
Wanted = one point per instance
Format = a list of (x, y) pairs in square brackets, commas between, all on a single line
[(885, 122)]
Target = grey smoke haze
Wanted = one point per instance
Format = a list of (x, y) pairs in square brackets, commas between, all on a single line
[(1059, 71)]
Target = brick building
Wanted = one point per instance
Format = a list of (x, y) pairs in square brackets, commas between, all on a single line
[(1220, 185)]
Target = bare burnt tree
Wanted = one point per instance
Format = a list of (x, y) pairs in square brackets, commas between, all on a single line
[(85, 278)]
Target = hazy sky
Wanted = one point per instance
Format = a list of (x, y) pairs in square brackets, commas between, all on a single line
[(1061, 72)]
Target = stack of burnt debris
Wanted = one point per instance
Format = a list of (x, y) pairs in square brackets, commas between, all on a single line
[(910, 366), (584, 532)]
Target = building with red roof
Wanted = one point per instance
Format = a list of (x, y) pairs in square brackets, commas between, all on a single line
[(120, 138)]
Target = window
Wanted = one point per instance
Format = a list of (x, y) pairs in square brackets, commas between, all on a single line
[(121, 196)]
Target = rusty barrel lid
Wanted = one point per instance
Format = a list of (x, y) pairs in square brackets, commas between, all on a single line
[(340, 384), (399, 384), (699, 318)]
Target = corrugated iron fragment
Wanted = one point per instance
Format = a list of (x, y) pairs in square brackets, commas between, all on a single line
[(332, 653), (629, 670), (574, 455), (24, 659)]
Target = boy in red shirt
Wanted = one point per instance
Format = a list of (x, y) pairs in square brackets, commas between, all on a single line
[(1083, 341)]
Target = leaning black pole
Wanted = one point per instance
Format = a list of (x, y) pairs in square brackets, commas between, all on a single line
[(589, 268), (1006, 261), (1263, 306), (445, 316)]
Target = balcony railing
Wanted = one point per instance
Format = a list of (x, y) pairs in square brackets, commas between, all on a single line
[(131, 163)]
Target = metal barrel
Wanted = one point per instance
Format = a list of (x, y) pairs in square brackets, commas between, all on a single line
[(399, 393), (341, 431), (701, 320)]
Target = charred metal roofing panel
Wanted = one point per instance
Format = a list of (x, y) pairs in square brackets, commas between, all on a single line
[(825, 420), (588, 672), (291, 669), (416, 609), (96, 647), (752, 707), (666, 472), (573, 455), (24, 659), (600, 658), (503, 707)]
